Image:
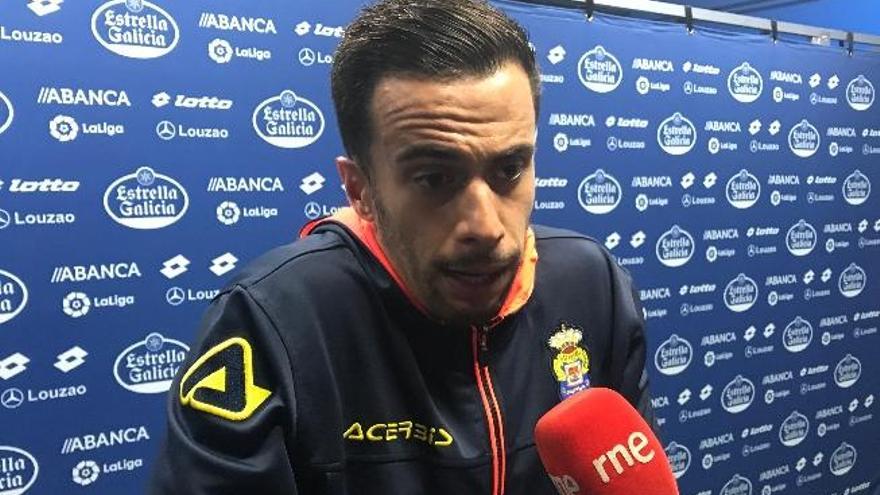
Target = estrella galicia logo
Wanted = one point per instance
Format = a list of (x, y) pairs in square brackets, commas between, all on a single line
[(801, 238), (743, 190), (599, 193), (794, 429), (288, 121), (673, 356), (860, 93), (149, 365), (842, 459), (599, 70), (145, 199), (13, 296), (676, 135), (856, 188), (6, 112), (848, 371), (803, 139), (797, 335), (675, 247), (18, 470), (679, 458), (745, 83), (738, 485), (738, 395), (852, 281), (740, 294), (135, 29)]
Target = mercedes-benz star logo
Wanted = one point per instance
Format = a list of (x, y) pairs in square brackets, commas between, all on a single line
[(312, 210), (307, 56), (5, 220), (175, 296), (11, 398), (165, 130)]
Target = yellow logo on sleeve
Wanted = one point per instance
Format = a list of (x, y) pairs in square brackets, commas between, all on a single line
[(221, 382)]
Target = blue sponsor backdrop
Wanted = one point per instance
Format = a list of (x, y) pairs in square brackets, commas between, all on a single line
[(149, 149)]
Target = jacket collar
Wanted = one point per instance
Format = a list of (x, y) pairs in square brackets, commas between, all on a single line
[(365, 232)]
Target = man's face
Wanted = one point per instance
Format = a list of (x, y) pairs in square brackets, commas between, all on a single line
[(452, 186)]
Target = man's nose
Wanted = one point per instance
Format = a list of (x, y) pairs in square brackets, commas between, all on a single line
[(479, 222)]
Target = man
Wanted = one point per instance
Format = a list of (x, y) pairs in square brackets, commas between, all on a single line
[(409, 344)]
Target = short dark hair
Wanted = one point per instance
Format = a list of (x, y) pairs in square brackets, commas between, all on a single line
[(443, 39)]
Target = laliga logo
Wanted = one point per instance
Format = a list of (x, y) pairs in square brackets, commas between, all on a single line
[(679, 458), (743, 190), (740, 294), (842, 459), (738, 395), (148, 366), (13, 296), (599, 70), (801, 238), (803, 139), (5, 108), (797, 335), (145, 200), (675, 247), (852, 280), (288, 121), (860, 93), (676, 135), (848, 371), (856, 188), (135, 29), (673, 356), (738, 485), (599, 193), (794, 429), (18, 470), (745, 83)]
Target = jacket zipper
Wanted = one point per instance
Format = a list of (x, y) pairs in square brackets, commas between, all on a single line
[(494, 421)]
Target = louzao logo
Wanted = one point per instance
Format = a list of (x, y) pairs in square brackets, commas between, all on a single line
[(679, 458), (676, 135), (738, 485), (288, 121), (842, 459), (738, 395), (18, 470), (743, 190), (6, 112), (599, 70), (599, 193), (13, 296), (852, 281), (848, 371), (801, 238), (803, 139), (673, 356), (797, 335), (221, 382), (794, 429), (149, 365), (675, 247), (145, 200), (740, 294), (143, 31), (860, 93), (856, 188), (745, 83)]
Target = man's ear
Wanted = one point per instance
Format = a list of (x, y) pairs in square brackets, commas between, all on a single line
[(357, 187)]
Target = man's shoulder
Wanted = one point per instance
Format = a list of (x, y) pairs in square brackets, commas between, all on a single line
[(566, 243)]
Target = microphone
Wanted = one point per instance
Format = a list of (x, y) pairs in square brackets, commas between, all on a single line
[(596, 443)]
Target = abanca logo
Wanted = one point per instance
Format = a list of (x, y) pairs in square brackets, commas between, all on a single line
[(135, 29)]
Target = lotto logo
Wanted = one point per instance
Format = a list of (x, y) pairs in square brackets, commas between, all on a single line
[(44, 7), (223, 264), (11, 366), (174, 267), (71, 359), (312, 183)]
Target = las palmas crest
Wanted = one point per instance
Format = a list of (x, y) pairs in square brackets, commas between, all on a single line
[(572, 363)]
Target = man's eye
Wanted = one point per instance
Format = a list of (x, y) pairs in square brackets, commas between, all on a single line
[(433, 180), (511, 172)]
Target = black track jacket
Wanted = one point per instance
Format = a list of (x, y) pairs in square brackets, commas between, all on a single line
[(315, 373)]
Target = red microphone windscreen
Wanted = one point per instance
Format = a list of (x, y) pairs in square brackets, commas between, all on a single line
[(596, 443)]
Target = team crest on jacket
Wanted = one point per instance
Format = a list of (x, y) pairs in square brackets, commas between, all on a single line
[(571, 365)]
